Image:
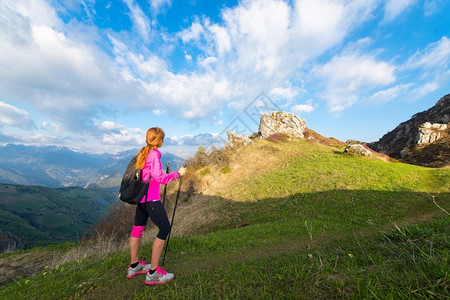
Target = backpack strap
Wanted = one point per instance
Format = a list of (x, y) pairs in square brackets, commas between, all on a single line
[(147, 183), (148, 186)]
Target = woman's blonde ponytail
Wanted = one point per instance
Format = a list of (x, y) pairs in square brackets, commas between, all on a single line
[(154, 138)]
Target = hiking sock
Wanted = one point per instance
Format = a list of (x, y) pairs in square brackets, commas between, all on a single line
[(152, 271), (134, 265)]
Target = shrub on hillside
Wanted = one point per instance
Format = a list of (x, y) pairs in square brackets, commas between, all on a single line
[(220, 157), (192, 184), (202, 158), (225, 170), (117, 224), (205, 171)]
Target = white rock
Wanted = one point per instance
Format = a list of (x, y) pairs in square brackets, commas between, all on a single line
[(438, 126), (358, 149), (281, 122), (429, 133), (426, 125), (234, 138)]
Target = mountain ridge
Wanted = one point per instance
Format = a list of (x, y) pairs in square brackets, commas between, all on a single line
[(59, 166)]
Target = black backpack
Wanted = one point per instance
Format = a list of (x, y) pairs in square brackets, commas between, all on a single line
[(132, 188)]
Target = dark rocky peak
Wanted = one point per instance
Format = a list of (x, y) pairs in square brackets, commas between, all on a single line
[(411, 140)]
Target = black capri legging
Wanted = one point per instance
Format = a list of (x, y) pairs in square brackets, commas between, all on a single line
[(155, 210)]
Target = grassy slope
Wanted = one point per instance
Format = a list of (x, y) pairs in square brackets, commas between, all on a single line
[(313, 224)]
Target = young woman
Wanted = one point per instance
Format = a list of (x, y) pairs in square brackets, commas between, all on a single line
[(149, 161)]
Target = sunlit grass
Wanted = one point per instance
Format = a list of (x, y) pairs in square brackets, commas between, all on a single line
[(308, 167)]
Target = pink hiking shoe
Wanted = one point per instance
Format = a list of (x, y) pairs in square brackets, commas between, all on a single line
[(141, 268), (159, 277)]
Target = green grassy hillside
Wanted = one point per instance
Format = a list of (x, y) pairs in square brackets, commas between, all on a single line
[(43, 216), (288, 220)]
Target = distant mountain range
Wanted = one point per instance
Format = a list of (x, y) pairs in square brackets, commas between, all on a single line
[(55, 166)]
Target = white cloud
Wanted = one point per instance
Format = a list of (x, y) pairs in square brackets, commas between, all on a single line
[(15, 117), (158, 112), (193, 33), (302, 108), (204, 139), (39, 11), (423, 90), (187, 56), (207, 62), (340, 16), (221, 37), (355, 70), (434, 56), (217, 122), (157, 5), (108, 125), (394, 8), (271, 41), (256, 48), (284, 92), (311, 16), (41, 65), (259, 32), (139, 19), (350, 75), (431, 7), (149, 82), (430, 67), (390, 93), (147, 66), (186, 145), (115, 134), (40, 139), (237, 105), (52, 127)]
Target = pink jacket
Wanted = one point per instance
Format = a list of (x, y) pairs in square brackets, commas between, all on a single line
[(153, 167)]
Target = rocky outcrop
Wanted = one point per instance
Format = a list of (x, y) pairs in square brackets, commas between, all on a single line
[(429, 133), (270, 124), (358, 149), (10, 242), (422, 130), (235, 139), (281, 122)]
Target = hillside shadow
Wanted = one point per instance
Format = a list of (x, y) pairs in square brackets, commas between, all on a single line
[(339, 207)]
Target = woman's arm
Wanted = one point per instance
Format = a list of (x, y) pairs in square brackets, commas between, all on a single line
[(156, 169)]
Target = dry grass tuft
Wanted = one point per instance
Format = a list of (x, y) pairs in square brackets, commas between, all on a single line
[(246, 161), (311, 135), (193, 213)]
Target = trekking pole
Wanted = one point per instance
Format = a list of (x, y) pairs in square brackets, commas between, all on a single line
[(165, 187), (171, 223)]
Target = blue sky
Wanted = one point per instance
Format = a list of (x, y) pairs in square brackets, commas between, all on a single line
[(95, 75)]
